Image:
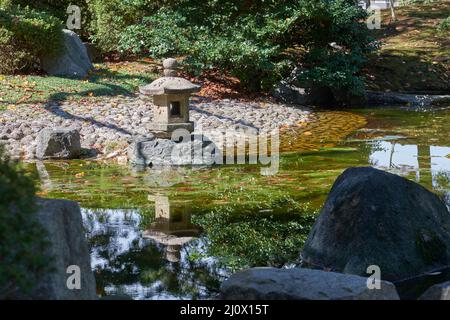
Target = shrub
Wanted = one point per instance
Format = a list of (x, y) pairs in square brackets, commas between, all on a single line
[(58, 9), (444, 26), (109, 19), (55, 7), (29, 33), (253, 40), (22, 260), (13, 57)]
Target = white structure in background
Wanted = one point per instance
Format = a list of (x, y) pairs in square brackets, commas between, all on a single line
[(382, 4)]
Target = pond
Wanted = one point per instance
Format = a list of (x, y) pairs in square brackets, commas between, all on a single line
[(176, 234)]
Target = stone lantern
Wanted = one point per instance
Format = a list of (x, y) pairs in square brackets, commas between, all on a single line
[(171, 101)]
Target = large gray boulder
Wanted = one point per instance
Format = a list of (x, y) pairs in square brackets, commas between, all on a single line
[(301, 284), (439, 291), (372, 217), (160, 152), (58, 144), (68, 246), (289, 93), (73, 60)]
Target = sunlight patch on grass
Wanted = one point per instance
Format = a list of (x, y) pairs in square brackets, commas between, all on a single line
[(108, 79)]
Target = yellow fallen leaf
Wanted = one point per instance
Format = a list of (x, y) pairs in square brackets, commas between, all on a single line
[(80, 175), (448, 156), (307, 133), (24, 98)]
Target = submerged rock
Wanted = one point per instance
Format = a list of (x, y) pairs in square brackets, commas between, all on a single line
[(160, 152), (372, 217), (68, 247), (302, 284), (58, 144), (412, 100)]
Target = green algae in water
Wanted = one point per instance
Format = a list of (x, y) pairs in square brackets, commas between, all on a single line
[(228, 202)]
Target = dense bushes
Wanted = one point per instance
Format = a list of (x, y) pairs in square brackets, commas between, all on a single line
[(26, 35), (109, 19), (58, 9), (258, 41), (55, 7), (22, 242), (253, 40)]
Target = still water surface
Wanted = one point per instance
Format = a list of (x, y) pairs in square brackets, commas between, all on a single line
[(176, 234)]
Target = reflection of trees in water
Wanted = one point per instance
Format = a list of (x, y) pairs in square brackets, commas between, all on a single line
[(124, 262), (441, 182), (269, 233)]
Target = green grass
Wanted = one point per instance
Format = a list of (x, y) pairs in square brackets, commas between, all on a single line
[(415, 53), (108, 79)]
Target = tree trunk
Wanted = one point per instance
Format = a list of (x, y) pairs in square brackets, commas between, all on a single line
[(391, 4), (424, 159)]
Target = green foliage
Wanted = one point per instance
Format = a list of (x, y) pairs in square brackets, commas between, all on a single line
[(58, 9), (258, 41), (22, 239), (110, 18), (444, 26), (13, 58), (28, 33), (251, 39), (242, 237)]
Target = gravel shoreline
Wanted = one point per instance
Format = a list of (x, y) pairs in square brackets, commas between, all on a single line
[(109, 125)]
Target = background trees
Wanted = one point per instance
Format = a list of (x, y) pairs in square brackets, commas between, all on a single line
[(257, 41)]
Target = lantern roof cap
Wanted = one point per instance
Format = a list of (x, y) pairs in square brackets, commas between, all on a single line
[(170, 83)]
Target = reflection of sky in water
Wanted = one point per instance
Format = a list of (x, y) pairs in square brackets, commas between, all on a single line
[(121, 225), (439, 160), (404, 159), (389, 155), (121, 236)]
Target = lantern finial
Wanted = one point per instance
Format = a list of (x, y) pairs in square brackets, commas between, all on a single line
[(170, 67)]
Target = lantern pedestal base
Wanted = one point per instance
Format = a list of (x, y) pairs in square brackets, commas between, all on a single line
[(165, 130)]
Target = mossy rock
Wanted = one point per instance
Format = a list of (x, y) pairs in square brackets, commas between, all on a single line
[(372, 217)]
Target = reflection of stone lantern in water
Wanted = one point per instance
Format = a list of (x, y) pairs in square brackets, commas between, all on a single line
[(172, 227), (171, 101)]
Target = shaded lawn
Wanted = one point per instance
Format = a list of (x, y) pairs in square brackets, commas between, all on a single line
[(414, 56), (108, 79)]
